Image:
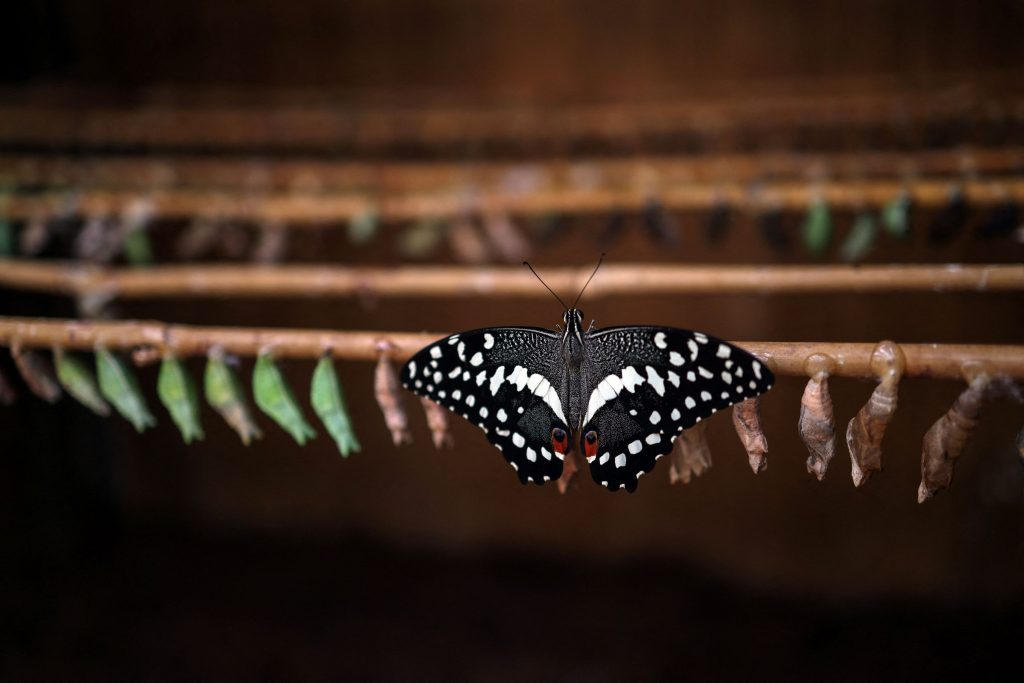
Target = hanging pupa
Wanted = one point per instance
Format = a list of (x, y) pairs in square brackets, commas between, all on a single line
[(466, 242), (865, 431), (817, 227), (135, 221), (817, 421), (420, 239), (224, 393), (437, 422), (275, 398), (178, 394), (945, 440), (660, 226), (951, 218), (363, 225), (505, 237), (119, 386), (389, 398), (6, 227), (78, 380), (271, 244), (746, 418), (37, 373), (328, 401), (98, 241), (691, 456), (896, 215), (861, 238)]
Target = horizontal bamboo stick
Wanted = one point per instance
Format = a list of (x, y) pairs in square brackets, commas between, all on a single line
[(941, 361), (273, 174), (457, 281), (323, 127), (316, 209)]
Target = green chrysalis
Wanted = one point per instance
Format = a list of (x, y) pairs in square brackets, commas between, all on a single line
[(119, 386), (329, 403), (276, 400), (78, 380), (224, 393), (178, 394)]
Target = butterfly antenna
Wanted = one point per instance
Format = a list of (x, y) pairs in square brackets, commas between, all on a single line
[(527, 264), (580, 295)]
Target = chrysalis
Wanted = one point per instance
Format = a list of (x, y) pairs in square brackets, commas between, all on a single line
[(178, 394), (135, 227), (119, 386), (224, 392), (76, 377), (691, 456), (328, 401), (896, 215), (817, 228), (421, 238), (276, 400), (37, 373), (861, 238), (363, 226)]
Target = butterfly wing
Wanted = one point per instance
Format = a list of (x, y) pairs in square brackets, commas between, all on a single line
[(510, 382), (645, 385)]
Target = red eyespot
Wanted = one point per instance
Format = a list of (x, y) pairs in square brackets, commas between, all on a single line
[(559, 440), (590, 444)]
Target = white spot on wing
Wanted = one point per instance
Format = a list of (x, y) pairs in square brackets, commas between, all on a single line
[(502, 415), (692, 345), (704, 372), (659, 340), (675, 359), (675, 412), (531, 454), (657, 383), (496, 379), (477, 359), (519, 442), (620, 459), (674, 378), (605, 458), (690, 403), (653, 439), (705, 396), (723, 351), (488, 340), (635, 447), (435, 352), (655, 417), (470, 400)]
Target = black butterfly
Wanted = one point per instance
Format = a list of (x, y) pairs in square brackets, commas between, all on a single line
[(624, 393)]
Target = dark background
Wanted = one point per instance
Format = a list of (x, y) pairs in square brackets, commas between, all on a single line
[(133, 557)]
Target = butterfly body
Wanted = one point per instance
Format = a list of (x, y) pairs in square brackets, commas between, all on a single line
[(620, 395)]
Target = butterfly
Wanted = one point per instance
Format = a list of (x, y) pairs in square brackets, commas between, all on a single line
[(621, 394)]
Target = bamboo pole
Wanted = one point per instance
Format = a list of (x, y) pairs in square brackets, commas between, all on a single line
[(273, 174), (324, 127), (457, 281), (939, 361), (314, 210)]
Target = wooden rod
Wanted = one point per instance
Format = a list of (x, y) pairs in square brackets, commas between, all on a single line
[(942, 361), (273, 174), (314, 210), (458, 281), (324, 127)]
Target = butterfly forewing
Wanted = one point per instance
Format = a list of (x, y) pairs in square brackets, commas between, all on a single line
[(644, 385), (509, 381)]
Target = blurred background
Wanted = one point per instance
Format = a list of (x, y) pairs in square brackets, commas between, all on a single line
[(135, 557)]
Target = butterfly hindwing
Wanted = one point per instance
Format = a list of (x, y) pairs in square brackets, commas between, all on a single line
[(645, 385), (508, 382)]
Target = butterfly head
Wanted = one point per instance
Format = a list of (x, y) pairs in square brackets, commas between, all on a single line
[(572, 332)]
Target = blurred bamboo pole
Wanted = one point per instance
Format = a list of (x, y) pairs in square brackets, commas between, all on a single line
[(274, 174), (325, 126), (940, 361), (317, 209), (457, 281)]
